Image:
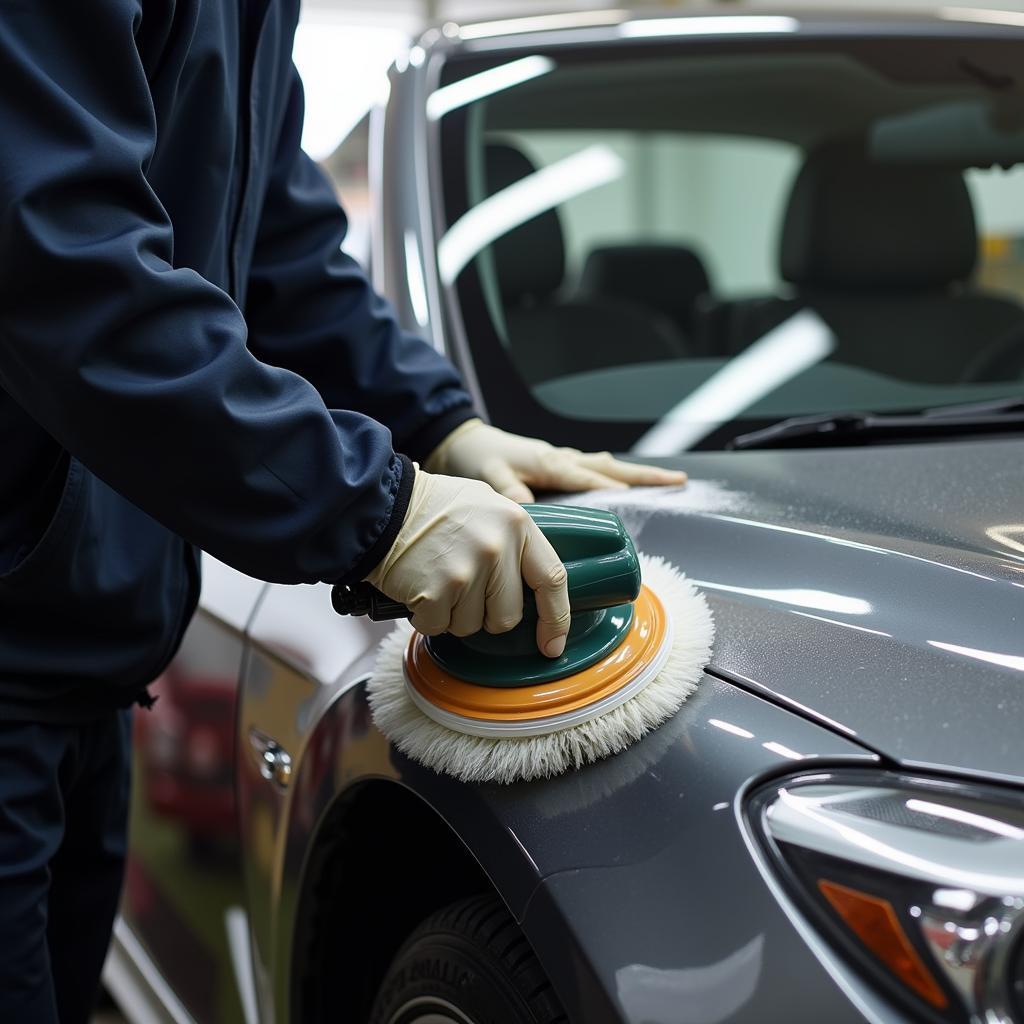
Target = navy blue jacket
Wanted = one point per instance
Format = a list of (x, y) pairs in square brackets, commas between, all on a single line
[(186, 357)]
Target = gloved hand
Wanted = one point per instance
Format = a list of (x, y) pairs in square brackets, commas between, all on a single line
[(460, 558), (512, 464)]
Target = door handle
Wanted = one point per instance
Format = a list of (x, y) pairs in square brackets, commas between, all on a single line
[(272, 760)]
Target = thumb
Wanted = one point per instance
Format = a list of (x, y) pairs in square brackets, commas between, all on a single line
[(506, 481)]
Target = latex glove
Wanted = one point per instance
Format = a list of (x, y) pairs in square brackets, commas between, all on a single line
[(460, 558), (512, 465)]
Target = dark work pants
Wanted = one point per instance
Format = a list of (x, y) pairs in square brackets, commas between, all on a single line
[(63, 816)]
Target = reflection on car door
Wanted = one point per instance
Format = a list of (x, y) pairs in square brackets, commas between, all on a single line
[(183, 891)]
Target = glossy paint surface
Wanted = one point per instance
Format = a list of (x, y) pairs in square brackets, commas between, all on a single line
[(652, 908), (635, 868), (632, 878), (880, 590)]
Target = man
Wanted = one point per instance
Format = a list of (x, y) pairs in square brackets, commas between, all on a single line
[(187, 360)]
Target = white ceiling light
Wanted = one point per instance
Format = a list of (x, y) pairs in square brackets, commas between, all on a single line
[(1014, 661), (756, 24), (542, 23), (823, 600), (340, 91), (543, 190), (414, 276), (782, 354), (450, 97), (1013, 18)]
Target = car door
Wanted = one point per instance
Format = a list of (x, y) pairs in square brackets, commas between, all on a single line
[(302, 657), (182, 914)]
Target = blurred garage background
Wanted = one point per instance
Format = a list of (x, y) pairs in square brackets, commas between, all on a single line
[(344, 47)]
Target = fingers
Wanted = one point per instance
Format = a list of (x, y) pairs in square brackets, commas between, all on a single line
[(504, 592), (568, 474), (481, 583), (493, 600), (629, 472), (468, 614), (545, 575), (505, 480), (430, 617), (565, 469)]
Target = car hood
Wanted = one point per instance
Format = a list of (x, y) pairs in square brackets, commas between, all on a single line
[(877, 590)]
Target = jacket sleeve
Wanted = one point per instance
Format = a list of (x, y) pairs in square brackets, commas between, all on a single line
[(311, 308), (138, 368)]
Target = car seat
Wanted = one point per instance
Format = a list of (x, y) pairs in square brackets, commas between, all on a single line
[(883, 253), (669, 279), (549, 336)]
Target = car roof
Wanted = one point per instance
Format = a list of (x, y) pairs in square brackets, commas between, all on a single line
[(777, 105), (753, 19)]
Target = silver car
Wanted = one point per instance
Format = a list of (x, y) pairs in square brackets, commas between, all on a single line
[(785, 252)]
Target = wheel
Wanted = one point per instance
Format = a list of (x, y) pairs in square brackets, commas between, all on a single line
[(467, 964)]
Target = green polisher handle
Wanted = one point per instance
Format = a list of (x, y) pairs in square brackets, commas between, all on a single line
[(600, 560)]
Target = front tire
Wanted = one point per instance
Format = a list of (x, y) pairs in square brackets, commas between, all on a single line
[(467, 964)]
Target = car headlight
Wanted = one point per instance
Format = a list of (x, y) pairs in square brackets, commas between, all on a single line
[(920, 882)]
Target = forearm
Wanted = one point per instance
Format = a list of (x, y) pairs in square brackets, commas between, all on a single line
[(311, 308), (136, 367)]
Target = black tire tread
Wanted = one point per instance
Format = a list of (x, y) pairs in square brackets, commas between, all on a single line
[(485, 923)]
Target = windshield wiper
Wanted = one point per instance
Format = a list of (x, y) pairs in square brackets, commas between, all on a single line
[(993, 417)]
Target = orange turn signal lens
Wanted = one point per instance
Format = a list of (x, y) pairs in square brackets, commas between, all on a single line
[(874, 921)]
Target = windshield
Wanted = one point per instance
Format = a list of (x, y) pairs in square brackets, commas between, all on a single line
[(662, 249)]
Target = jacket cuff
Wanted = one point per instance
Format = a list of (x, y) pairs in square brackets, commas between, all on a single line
[(434, 431), (382, 545)]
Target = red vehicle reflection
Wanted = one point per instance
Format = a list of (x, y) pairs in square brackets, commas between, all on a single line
[(185, 747)]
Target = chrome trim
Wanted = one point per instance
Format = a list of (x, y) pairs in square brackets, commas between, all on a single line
[(136, 984), (426, 82), (974, 950), (375, 181)]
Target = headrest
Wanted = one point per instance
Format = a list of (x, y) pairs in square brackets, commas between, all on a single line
[(529, 259), (667, 278), (854, 223)]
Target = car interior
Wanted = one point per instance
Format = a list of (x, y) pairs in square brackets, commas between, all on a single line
[(884, 254), (552, 334), (876, 230), (861, 245), (670, 279)]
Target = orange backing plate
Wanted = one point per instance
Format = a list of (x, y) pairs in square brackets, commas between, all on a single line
[(525, 703)]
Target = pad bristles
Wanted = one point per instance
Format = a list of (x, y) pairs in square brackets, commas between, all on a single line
[(480, 759)]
